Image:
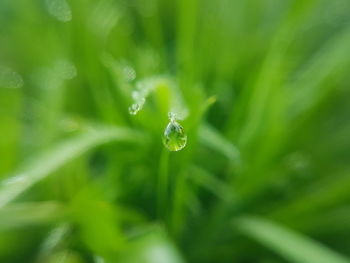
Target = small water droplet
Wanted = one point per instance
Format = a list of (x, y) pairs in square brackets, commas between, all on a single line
[(174, 137), (129, 73), (171, 116), (136, 95), (134, 108)]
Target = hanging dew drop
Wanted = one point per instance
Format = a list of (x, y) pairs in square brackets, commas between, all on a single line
[(174, 137)]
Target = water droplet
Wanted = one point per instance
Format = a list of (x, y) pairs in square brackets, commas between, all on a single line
[(171, 116), (134, 108), (129, 73), (174, 137), (136, 95)]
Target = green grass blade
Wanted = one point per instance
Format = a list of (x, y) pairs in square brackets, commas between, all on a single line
[(162, 184), (211, 183), (308, 88), (59, 155), (53, 240), (214, 140), (152, 246), (26, 214), (291, 245), (327, 193)]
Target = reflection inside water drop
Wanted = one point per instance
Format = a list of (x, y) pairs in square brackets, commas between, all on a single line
[(174, 137)]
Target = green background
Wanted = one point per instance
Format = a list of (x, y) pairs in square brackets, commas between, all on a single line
[(265, 174)]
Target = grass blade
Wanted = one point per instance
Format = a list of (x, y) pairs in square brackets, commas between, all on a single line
[(307, 89), (214, 140), (62, 153), (212, 184), (292, 246), (26, 214)]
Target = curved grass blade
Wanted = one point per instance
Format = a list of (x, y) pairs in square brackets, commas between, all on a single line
[(289, 244), (26, 214), (59, 155), (214, 185), (53, 241), (214, 140), (309, 88), (325, 194), (151, 246)]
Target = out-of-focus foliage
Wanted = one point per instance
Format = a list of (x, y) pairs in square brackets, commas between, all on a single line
[(261, 88)]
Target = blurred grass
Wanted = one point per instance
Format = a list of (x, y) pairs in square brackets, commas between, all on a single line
[(266, 89)]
